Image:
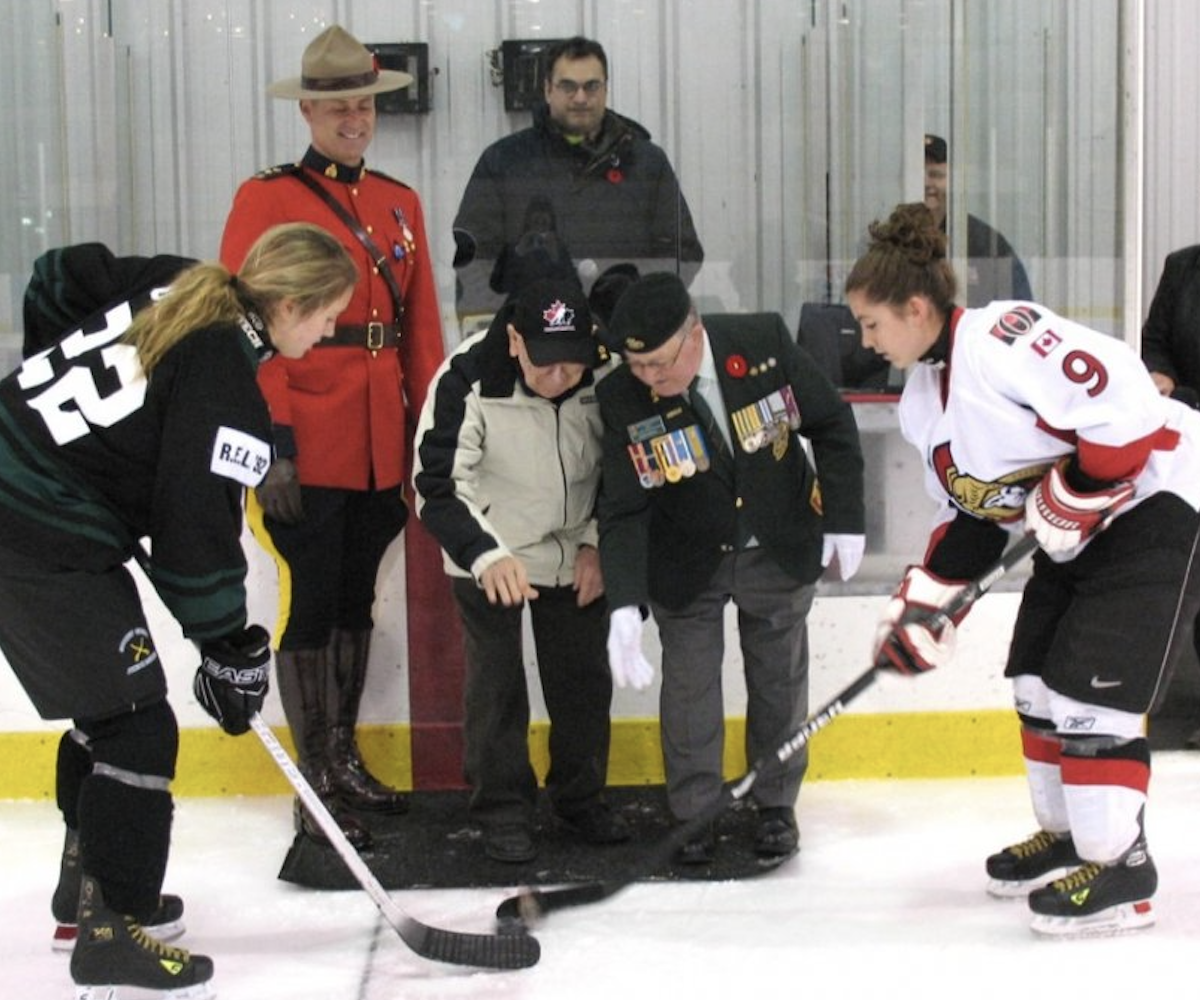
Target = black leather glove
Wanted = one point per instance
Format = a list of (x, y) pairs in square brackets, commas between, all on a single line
[(232, 679), (279, 493)]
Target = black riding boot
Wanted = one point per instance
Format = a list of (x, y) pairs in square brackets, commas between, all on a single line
[(349, 652), (302, 683)]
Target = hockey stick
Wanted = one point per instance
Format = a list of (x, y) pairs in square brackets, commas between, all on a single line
[(492, 951), (489, 951), (534, 903)]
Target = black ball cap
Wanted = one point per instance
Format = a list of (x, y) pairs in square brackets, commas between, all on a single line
[(935, 148), (553, 317)]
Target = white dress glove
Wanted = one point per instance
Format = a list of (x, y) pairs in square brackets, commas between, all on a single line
[(849, 552), (628, 664)]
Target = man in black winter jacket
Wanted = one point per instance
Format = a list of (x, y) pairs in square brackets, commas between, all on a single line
[(605, 194)]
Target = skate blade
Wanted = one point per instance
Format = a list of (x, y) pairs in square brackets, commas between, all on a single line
[(1121, 919), (63, 941), (1001, 889), (119, 991)]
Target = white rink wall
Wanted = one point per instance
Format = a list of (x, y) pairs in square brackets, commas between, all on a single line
[(841, 630)]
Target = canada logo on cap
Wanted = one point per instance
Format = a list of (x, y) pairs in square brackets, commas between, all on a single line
[(558, 316)]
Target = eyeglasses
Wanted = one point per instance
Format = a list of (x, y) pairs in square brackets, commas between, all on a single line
[(569, 88), (658, 367)]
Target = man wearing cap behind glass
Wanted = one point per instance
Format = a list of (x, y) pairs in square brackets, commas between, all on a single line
[(994, 271), (333, 501), (506, 470), (707, 496)]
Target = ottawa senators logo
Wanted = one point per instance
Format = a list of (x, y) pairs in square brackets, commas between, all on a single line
[(1015, 323), (1002, 500)]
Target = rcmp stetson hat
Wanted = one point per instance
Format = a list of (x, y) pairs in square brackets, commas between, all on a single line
[(336, 64), (649, 312), (553, 318)]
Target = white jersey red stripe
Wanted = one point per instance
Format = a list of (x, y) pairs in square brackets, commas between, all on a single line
[(1025, 386)]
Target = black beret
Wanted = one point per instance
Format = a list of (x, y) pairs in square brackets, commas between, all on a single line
[(935, 149), (649, 312)]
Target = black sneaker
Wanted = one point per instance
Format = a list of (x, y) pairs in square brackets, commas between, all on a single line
[(165, 923), (1098, 899), (511, 843), (1033, 862), (114, 951), (598, 824)]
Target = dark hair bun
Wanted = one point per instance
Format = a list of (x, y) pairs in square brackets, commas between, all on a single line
[(911, 230)]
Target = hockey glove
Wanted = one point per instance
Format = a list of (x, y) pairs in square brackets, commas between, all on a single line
[(279, 493), (907, 639), (628, 664), (232, 679), (1062, 517)]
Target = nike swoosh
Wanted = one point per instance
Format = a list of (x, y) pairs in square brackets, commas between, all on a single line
[(1098, 683)]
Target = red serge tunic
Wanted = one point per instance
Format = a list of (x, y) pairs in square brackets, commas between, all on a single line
[(342, 412)]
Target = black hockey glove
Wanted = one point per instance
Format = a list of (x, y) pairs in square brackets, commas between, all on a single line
[(279, 493), (232, 679)]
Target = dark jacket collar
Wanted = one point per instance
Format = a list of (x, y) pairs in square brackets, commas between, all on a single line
[(334, 171), (939, 354), (257, 336), (613, 144)]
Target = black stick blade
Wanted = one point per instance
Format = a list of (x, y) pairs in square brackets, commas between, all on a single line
[(485, 951), (528, 906)]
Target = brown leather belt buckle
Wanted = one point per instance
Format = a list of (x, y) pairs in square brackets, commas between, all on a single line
[(375, 336)]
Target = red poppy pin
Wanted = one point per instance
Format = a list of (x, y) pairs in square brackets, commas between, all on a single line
[(614, 175), (735, 366)]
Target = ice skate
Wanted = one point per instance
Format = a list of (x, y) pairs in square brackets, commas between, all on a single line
[(115, 959), (1033, 862), (1098, 900), (165, 923)]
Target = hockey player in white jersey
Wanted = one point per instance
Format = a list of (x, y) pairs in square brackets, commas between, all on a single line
[(1029, 422)]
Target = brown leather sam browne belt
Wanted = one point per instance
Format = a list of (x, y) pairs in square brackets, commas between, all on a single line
[(372, 336)]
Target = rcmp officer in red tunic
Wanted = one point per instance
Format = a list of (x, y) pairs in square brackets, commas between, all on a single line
[(333, 502)]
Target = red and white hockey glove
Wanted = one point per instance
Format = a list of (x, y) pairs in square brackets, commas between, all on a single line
[(1062, 517), (907, 638)]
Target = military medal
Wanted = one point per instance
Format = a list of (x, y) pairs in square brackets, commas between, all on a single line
[(666, 461), (752, 432), (409, 244), (698, 449), (679, 444), (641, 463)]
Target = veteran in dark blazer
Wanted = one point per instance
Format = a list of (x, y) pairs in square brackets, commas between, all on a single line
[(710, 494)]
